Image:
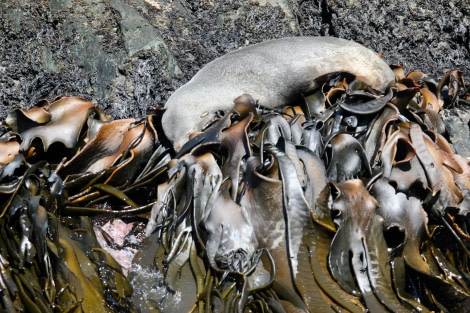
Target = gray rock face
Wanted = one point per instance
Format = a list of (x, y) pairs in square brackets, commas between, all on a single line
[(457, 124), (129, 55)]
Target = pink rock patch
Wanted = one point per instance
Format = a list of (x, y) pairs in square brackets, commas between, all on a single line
[(117, 231)]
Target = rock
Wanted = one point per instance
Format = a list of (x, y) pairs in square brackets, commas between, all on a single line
[(129, 55), (457, 124)]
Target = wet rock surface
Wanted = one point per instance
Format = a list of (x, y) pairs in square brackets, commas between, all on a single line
[(129, 55), (457, 125)]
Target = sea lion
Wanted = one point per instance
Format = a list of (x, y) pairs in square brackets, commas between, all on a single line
[(274, 72)]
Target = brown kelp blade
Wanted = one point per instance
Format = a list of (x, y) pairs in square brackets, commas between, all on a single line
[(348, 159), (236, 144), (20, 120), (317, 242), (295, 205), (263, 200), (101, 151), (315, 183), (356, 246), (369, 107), (408, 215), (68, 116), (8, 150)]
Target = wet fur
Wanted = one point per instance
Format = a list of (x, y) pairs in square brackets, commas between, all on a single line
[(274, 72)]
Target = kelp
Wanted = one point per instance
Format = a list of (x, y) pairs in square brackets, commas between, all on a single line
[(51, 259), (348, 217), (353, 201)]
